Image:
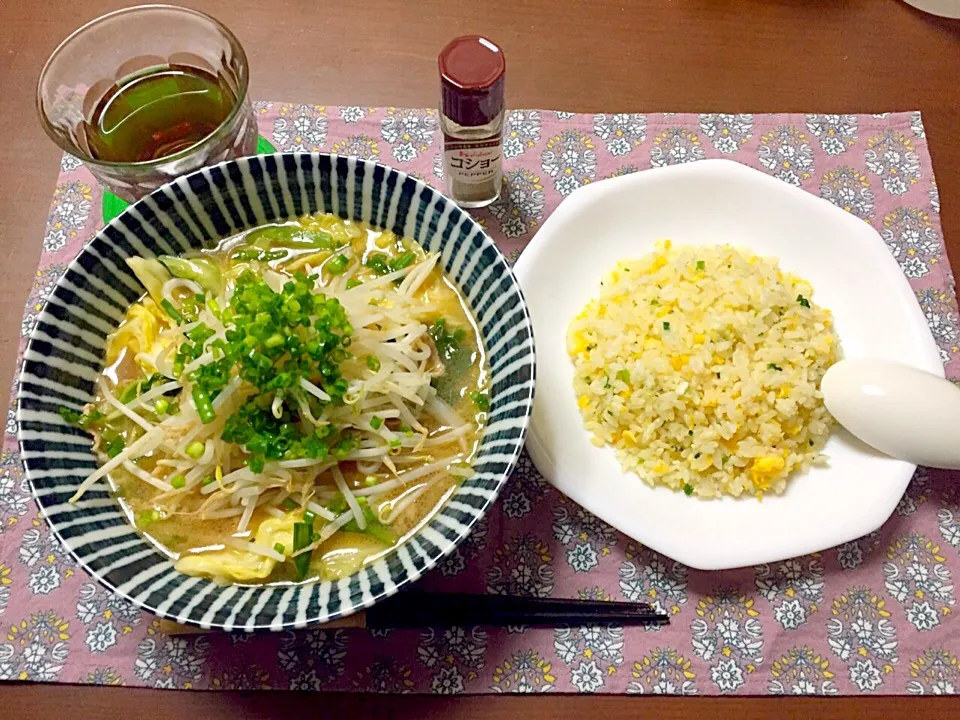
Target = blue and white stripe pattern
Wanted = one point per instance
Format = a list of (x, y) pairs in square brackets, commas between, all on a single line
[(65, 355)]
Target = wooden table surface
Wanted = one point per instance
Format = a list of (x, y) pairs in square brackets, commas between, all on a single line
[(602, 55)]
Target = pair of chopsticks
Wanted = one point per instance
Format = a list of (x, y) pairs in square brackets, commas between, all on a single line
[(421, 610), (439, 610)]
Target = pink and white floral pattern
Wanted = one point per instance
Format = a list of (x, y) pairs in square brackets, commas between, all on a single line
[(862, 636), (837, 133), (728, 133), (891, 157), (409, 132), (912, 239), (849, 190), (663, 672), (521, 132), (674, 146), (621, 132), (794, 588), (298, 128), (801, 672), (875, 615), (569, 158), (785, 153)]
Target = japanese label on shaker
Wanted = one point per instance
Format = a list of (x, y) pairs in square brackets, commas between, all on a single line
[(473, 162)]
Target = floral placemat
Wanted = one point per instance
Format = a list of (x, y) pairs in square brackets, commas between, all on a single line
[(877, 615)]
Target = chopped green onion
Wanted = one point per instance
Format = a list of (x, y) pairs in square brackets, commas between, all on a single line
[(201, 398), (273, 340), (378, 263), (247, 253), (337, 264), (147, 517), (81, 420), (178, 482), (803, 301), (352, 283), (309, 517), (290, 504), (376, 422), (403, 260), (171, 311), (396, 443), (701, 265), (302, 537), (114, 446), (196, 449), (279, 548), (481, 401), (666, 326), (200, 334), (773, 366), (380, 532), (208, 480), (623, 375), (88, 419), (688, 489), (338, 504), (374, 528), (161, 405), (129, 392), (373, 362), (343, 448), (71, 416)]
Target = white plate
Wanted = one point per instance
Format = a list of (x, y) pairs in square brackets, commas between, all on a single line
[(943, 8), (707, 203)]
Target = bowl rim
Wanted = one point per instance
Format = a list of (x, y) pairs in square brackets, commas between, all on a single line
[(410, 573)]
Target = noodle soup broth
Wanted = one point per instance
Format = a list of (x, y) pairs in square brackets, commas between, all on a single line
[(290, 405)]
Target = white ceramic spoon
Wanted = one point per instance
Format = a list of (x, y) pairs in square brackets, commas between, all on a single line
[(907, 413)]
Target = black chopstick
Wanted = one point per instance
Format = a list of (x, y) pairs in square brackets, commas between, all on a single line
[(434, 610)]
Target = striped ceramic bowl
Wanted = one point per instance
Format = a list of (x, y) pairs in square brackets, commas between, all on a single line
[(66, 350)]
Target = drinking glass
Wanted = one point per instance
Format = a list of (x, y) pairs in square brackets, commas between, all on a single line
[(129, 42)]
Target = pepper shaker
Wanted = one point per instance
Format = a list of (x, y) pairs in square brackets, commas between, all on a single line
[(472, 72)]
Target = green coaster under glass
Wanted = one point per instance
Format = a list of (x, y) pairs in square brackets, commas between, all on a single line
[(113, 206)]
